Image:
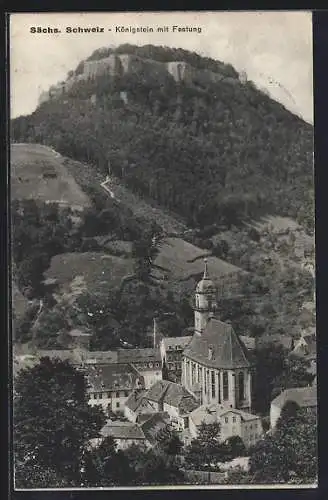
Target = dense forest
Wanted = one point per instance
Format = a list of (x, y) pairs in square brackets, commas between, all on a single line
[(216, 155)]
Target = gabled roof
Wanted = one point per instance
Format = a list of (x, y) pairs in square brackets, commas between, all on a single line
[(155, 423), (305, 397), (228, 352), (135, 399), (113, 378), (172, 394), (122, 430), (173, 342)]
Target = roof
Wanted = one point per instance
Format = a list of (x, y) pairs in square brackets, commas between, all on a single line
[(303, 396), (172, 394), (113, 377), (173, 342), (135, 399), (155, 423), (212, 413), (227, 350), (99, 357), (122, 430), (138, 355)]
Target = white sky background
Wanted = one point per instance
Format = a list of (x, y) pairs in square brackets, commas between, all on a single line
[(274, 48)]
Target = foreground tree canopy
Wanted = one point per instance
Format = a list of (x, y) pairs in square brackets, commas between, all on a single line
[(52, 423)]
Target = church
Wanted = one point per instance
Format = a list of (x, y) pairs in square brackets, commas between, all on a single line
[(216, 366)]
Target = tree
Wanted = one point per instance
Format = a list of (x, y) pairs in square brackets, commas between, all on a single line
[(107, 466), (153, 467), (145, 250), (289, 455), (206, 448), (168, 441), (52, 419)]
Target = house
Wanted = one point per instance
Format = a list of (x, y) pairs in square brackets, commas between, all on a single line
[(176, 400), (125, 434), (146, 360), (134, 405), (306, 348), (216, 366), (110, 385), (233, 422), (163, 396), (152, 424), (171, 349), (304, 397)]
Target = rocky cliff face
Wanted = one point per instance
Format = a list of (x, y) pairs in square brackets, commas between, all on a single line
[(122, 64)]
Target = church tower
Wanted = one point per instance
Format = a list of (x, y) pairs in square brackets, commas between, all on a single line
[(205, 301)]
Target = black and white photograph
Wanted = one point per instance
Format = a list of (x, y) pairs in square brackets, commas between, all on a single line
[(163, 329)]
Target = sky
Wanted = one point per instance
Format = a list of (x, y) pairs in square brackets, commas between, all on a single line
[(273, 48)]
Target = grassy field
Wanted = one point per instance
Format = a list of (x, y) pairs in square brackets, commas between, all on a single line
[(184, 260), (94, 271), (38, 173)]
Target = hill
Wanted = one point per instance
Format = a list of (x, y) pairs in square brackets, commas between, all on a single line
[(38, 173), (214, 150)]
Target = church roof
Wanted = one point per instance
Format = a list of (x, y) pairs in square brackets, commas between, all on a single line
[(220, 340)]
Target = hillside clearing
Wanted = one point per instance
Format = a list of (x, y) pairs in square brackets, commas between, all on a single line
[(38, 173), (93, 271)]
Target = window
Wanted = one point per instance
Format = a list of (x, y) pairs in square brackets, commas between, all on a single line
[(234, 419), (108, 395), (117, 394), (126, 394), (186, 422), (150, 365), (226, 420), (117, 404), (213, 384), (225, 386), (241, 386), (100, 395), (157, 365), (95, 395)]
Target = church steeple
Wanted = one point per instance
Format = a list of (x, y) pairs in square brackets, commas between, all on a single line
[(205, 300), (205, 276)]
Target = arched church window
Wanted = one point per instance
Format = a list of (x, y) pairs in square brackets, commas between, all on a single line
[(241, 386), (225, 386)]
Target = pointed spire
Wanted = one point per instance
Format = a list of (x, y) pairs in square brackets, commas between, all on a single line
[(205, 269)]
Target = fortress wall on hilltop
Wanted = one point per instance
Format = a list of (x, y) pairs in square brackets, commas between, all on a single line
[(151, 70)]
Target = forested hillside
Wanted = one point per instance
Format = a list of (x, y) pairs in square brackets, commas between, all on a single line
[(215, 154)]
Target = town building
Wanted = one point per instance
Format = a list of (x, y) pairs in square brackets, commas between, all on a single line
[(125, 434), (233, 422), (216, 365), (109, 386), (146, 360), (163, 396), (304, 397), (171, 349)]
